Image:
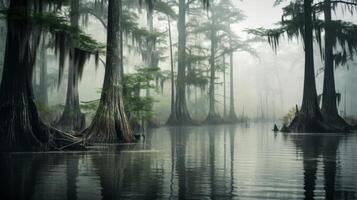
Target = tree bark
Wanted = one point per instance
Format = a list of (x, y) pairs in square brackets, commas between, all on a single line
[(172, 117), (182, 115), (309, 118), (213, 116), (2, 41), (72, 118), (232, 117), (224, 88), (150, 55), (329, 105), (110, 123), (20, 126)]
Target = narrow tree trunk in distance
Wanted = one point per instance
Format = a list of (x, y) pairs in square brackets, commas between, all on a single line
[(172, 117), (110, 123), (309, 118), (150, 44), (232, 117), (224, 88), (72, 118), (213, 116), (329, 104)]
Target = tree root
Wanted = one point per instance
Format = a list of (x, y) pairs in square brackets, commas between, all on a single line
[(213, 119), (60, 140), (337, 122), (311, 124)]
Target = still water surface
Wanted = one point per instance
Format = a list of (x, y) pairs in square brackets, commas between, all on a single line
[(210, 162)]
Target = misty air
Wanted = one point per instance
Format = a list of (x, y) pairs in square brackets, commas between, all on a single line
[(178, 99)]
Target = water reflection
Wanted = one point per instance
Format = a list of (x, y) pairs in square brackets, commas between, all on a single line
[(212, 162), (321, 149)]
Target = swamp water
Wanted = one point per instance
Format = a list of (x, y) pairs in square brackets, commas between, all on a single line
[(209, 162)]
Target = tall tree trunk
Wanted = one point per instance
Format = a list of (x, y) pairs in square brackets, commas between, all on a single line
[(329, 104), (224, 88), (43, 93), (232, 117), (20, 125), (72, 118), (213, 116), (182, 114), (173, 112), (2, 41), (110, 123), (309, 118), (150, 55)]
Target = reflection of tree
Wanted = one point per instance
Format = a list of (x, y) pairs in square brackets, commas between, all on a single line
[(312, 148), (212, 131), (173, 134), (181, 139), (128, 174), (232, 132), (19, 174), (72, 174), (198, 161)]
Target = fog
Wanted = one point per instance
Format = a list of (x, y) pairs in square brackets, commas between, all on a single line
[(272, 83)]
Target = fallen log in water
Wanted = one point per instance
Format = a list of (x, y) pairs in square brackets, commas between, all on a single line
[(60, 140)]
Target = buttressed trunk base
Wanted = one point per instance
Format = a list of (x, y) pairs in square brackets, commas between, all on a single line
[(110, 123), (309, 118)]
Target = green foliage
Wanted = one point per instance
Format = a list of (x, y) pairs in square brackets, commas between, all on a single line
[(138, 107), (293, 22), (165, 8), (48, 112), (196, 77)]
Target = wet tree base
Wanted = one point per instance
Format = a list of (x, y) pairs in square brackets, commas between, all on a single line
[(337, 122), (186, 121), (56, 140), (232, 119), (312, 124), (107, 129), (214, 118), (21, 129)]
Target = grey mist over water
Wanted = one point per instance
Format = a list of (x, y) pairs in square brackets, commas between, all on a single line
[(209, 162)]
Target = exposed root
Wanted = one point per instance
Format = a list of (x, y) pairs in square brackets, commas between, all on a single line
[(337, 122), (60, 140), (303, 123), (108, 126)]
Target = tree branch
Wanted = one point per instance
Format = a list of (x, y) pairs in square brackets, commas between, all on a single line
[(334, 2), (91, 12)]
